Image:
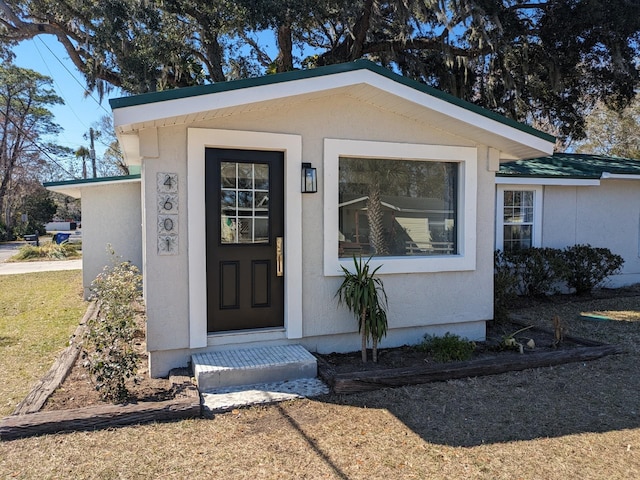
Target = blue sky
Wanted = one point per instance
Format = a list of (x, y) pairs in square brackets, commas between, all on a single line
[(45, 55)]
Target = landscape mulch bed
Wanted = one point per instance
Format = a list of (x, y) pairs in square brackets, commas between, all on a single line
[(408, 365)]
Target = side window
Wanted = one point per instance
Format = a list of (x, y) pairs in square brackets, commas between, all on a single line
[(518, 218)]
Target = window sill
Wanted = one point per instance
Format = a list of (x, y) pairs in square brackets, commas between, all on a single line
[(399, 265)]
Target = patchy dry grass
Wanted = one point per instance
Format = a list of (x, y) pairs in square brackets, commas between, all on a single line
[(38, 313), (577, 420)]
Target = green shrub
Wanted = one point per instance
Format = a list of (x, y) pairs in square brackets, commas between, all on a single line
[(51, 251), (450, 348), (537, 270), (585, 267), (110, 356), (505, 283)]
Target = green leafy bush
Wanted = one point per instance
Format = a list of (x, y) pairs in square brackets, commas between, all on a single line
[(450, 348), (109, 354), (505, 283), (585, 267), (51, 251), (537, 270)]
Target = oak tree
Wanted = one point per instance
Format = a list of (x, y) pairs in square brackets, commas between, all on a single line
[(544, 62)]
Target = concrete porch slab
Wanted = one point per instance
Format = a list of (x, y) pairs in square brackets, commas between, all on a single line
[(226, 399)]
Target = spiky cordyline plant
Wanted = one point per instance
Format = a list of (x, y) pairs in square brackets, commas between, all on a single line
[(364, 296)]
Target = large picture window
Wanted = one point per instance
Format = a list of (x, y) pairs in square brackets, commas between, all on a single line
[(410, 206), (391, 207)]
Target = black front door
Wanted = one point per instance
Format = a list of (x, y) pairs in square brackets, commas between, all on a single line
[(244, 195)]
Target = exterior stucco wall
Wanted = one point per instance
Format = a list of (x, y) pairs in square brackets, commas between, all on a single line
[(607, 215), (416, 301), (110, 215)]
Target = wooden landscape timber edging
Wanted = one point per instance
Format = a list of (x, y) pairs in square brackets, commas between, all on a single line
[(28, 420), (43, 389), (185, 405), (396, 377), (95, 418)]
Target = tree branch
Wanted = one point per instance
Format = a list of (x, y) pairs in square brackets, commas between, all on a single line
[(428, 44), (22, 30)]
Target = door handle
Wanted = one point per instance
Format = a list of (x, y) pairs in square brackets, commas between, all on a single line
[(279, 257)]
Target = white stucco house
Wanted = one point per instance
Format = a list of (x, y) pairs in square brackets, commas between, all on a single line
[(112, 215), (568, 199), (253, 193)]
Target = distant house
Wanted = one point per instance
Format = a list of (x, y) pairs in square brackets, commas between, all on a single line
[(567, 199), (236, 253)]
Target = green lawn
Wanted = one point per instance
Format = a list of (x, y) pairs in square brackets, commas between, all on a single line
[(38, 313)]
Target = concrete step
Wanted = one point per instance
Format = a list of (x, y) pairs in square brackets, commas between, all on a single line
[(250, 366)]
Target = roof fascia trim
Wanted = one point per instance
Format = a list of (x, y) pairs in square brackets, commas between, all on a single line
[(568, 182), (84, 182), (340, 71), (619, 176)]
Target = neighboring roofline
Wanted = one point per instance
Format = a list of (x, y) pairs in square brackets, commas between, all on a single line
[(93, 181), (568, 169), (74, 188), (220, 87)]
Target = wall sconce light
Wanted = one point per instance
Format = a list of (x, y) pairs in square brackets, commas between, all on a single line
[(309, 179)]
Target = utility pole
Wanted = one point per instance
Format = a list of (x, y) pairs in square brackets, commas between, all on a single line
[(92, 152)]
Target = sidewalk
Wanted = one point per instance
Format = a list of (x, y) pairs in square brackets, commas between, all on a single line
[(30, 267)]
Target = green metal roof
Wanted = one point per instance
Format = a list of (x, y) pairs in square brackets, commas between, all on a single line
[(221, 87), (90, 181), (570, 165)]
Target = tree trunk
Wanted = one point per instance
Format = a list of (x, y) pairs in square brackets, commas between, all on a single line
[(284, 61), (352, 47), (214, 54), (374, 215), (374, 352), (363, 331)]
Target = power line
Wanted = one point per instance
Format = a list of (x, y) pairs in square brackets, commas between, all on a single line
[(84, 88), (59, 90), (38, 147)]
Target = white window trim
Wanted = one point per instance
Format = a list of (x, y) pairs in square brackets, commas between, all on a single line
[(198, 139), (467, 157), (536, 234)]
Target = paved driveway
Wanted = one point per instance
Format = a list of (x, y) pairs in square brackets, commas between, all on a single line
[(8, 250)]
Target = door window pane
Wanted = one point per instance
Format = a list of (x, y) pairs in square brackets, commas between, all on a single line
[(397, 207), (244, 202), (261, 176), (228, 174), (245, 175)]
